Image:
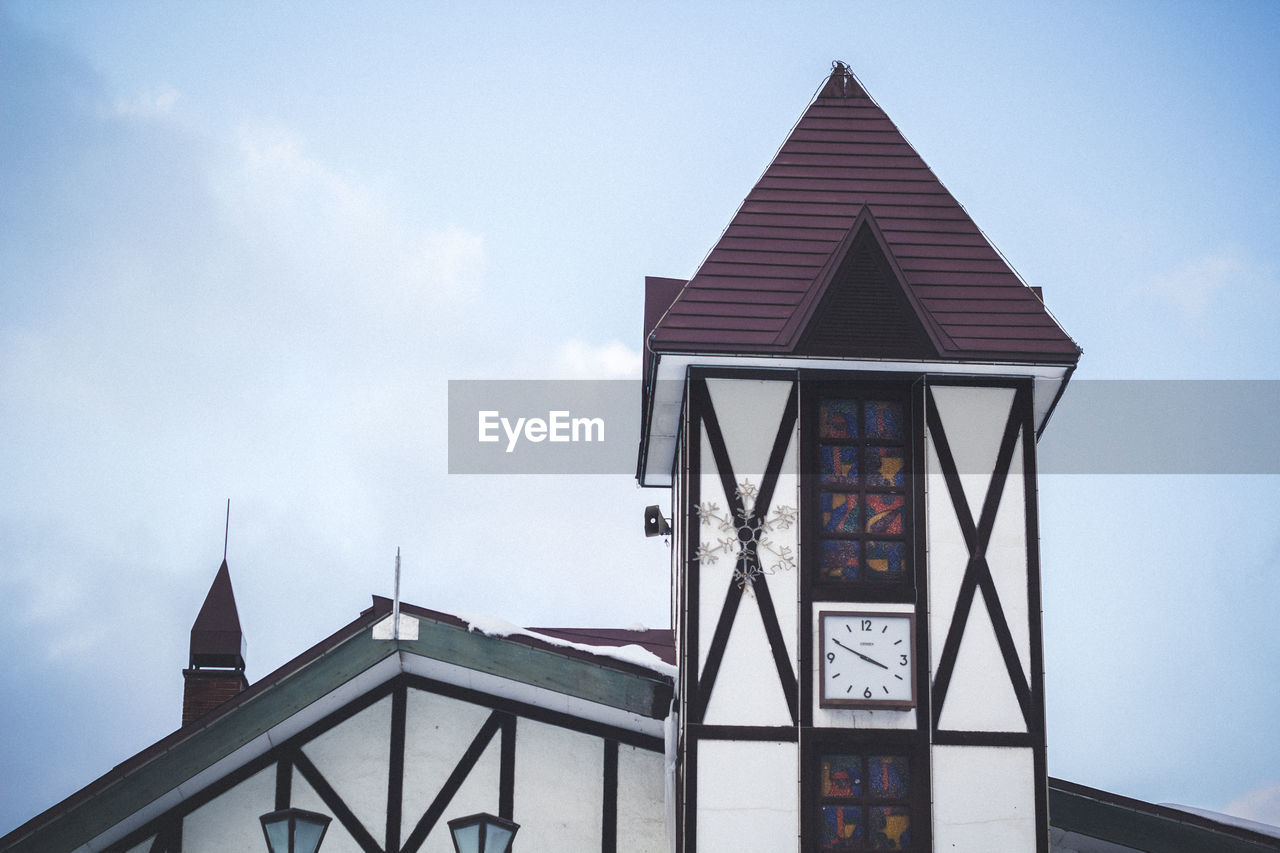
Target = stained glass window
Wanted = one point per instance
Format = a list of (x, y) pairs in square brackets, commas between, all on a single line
[(862, 488), (863, 802), (840, 513), (838, 418), (838, 560)]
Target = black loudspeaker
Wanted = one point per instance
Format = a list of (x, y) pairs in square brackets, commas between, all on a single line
[(654, 523)]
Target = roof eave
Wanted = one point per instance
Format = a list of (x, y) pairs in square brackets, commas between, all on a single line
[(664, 397)]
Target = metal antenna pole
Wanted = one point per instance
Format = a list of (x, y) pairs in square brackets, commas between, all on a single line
[(395, 605), (226, 532)]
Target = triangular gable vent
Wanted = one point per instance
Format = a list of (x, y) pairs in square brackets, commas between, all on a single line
[(864, 311)]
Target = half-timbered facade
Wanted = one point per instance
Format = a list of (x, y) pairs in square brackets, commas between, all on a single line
[(844, 403), (392, 736)]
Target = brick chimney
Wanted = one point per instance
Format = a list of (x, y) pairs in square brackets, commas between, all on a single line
[(216, 671)]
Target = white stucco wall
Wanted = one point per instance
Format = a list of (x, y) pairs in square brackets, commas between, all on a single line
[(748, 796), (641, 786), (974, 420), (354, 758), (438, 731), (983, 799), (336, 837), (1007, 559), (980, 696), (749, 413), (559, 790), (230, 820)]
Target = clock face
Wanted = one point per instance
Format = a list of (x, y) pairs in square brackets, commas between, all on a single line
[(868, 660)]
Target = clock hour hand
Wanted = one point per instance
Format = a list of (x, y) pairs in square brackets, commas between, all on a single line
[(859, 654)]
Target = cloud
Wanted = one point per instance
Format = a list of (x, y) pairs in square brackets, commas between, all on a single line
[(226, 316), (579, 359), (156, 102), (342, 229), (1194, 285), (1261, 804)]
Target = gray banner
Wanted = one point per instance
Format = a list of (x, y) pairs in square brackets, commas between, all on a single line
[(1099, 427)]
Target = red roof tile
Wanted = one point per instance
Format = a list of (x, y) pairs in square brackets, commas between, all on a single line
[(846, 167)]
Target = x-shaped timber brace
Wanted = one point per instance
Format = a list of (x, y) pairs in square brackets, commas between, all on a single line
[(748, 573)]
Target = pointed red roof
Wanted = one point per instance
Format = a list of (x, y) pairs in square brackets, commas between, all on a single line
[(216, 638), (926, 283)]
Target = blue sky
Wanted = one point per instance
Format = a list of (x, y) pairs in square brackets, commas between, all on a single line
[(243, 249)]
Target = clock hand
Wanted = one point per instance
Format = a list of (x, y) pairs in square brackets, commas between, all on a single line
[(859, 654)]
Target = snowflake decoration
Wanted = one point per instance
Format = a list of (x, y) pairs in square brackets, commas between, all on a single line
[(750, 546)]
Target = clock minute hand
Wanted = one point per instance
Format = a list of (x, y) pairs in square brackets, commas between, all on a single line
[(859, 654)]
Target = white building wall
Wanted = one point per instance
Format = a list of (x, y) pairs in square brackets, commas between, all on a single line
[(336, 837), (1007, 559), (983, 799), (746, 690), (981, 697), (438, 731), (748, 797), (974, 420), (641, 789), (354, 758), (478, 793), (559, 790), (230, 820)]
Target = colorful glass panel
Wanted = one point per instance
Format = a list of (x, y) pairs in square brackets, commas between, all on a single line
[(839, 559), (838, 464), (886, 560), (841, 776), (838, 418), (888, 776), (885, 466), (841, 828), (861, 489), (841, 513), (883, 419), (889, 828), (884, 513)]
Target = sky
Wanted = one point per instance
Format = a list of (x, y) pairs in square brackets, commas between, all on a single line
[(244, 247)]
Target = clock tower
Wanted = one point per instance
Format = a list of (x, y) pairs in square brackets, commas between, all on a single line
[(845, 401)]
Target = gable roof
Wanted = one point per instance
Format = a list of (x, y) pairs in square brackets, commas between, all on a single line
[(846, 167), (603, 677), (1082, 816)]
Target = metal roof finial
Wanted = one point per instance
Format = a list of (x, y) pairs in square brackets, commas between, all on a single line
[(843, 74), (395, 604)]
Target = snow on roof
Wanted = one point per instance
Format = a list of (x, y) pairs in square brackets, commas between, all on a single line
[(632, 653)]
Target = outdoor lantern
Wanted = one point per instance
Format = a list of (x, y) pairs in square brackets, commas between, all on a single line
[(482, 833), (294, 830)]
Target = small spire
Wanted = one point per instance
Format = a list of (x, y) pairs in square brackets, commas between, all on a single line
[(216, 671), (216, 638)]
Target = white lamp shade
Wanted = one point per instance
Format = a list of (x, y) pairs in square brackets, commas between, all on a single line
[(294, 830)]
